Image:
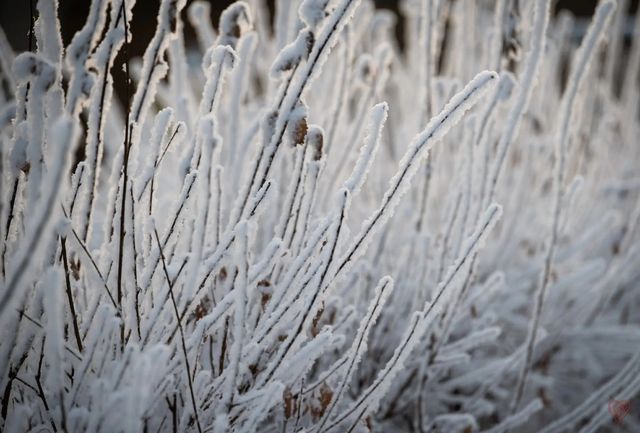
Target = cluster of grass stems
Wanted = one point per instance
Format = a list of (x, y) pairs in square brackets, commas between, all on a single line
[(296, 226)]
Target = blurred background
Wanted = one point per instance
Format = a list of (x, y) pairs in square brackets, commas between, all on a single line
[(15, 17)]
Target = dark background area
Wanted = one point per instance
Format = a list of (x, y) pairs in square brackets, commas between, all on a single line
[(15, 17)]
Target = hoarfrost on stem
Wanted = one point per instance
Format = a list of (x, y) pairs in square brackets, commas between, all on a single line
[(306, 228)]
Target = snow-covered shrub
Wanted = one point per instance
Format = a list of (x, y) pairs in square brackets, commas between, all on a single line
[(309, 229)]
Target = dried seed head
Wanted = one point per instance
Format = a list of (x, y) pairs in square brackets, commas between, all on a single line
[(264, 300), (202, 309), (299, 131), (298, 125), (315, 329), (289, 403), (321, 402), (222, 275), (26, 167)]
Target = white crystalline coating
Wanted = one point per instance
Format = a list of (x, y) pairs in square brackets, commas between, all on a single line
[(220, 56), (7, 115), (234, 21), (517, 419), (469, 249), (324, 43), (584, 57), (302, 361), (268, 256), (454, 422), (199, 13), (220, 311), (154, 257), (26, 260), (291, 55), (294, 188), (370, 397), (146, 167), (384, 58), (99, 64), (239, 87), (619, 407), (478, 338), (315, 138), (50, 284), (32, 66), (78, 51), (506, 85), (377, 118), (312, 12), (526, 85), (18, 156), (240, 304), (220, 59), (272, 316), (270, 398), (153, 65), (359, 346), (48, 30), (285, 213), (435, 130), (208, 139)]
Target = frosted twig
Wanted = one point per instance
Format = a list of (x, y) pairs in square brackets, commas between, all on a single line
[(578, 72), (422, 143)]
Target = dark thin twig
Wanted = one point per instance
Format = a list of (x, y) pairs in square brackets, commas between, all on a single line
[(363, 398), (67, 280), (74, 197), (223, 349), (173, 408), (316, 294), (355, 423), (40, 390), (245, 198), (171, 231), (184, 346), (6, 396), (93, 181), (12, 204), (155, 167), (71, 351), (125, 166), (135, 260), (93, 262), (353, 358)]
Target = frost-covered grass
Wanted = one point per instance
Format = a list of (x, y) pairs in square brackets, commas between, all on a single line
[(309, 229)]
